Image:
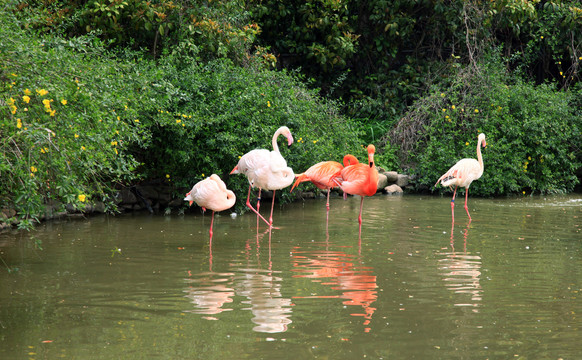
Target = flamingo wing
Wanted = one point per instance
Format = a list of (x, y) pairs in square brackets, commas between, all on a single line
[(462, 173)]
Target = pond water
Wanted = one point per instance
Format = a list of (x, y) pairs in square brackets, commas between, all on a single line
[(506, 286)]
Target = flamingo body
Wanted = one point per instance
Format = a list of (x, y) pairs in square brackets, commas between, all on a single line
[(360, 179), (463, 173), (211, 193), (266, 170)]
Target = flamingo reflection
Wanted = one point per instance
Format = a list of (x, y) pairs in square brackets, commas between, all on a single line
[(461, 271), (336, 269), (262, 288), (209, 292)]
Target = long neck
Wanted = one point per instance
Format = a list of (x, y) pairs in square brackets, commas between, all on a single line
[(275, 136), (479, 156)]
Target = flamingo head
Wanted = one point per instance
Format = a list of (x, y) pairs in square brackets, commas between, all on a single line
[(189, 199), (350, 159), (371, 151), (287, 133), (481, 139)]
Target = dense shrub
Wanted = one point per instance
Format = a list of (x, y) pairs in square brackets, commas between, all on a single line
[(62, 137), (208, 115), (533, 132)]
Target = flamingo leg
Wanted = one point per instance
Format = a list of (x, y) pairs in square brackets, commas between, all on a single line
[(272, 206), (211, 223), (252, 208), (453, 204), (361, 208), (466, 207), (327, 204)]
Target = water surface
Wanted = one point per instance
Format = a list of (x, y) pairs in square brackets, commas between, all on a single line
[(410, 286)]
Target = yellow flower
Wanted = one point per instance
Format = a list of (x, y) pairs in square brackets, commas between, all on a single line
[(47, 103), (82, 148), (476, 110), (114, 143), (561, 73), (268, 104), (18, 123), (453, 107), (76, 136), (82, 197), (442, 94), (529, 157), (63, 101), (446, 117), (27, 92), (202, 175), (541, 37), (444, 110), (136, 120), (167, 176), (13, 109), (178, 121), (52, 113), (33, 169), (26, 99), (42, 92), (467, 143), (523, 192)]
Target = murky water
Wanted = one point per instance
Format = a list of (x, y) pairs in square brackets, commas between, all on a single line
[(506, 286)]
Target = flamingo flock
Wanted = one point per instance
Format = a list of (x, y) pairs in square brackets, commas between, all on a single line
[(268, 170)]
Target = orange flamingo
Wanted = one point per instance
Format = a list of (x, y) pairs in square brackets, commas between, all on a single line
[(266, 170), (321, 174), (360, 179), (211, 193), (463, 173)]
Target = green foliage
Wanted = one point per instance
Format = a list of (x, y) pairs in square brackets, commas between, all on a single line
[(208, 115), (63, 139), (533, 132)]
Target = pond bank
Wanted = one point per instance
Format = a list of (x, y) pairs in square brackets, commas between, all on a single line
[(156, 197)]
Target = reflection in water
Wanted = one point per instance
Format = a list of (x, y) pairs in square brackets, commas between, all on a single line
[(336, 269), (209, 291), (461, 271), (263, 291)]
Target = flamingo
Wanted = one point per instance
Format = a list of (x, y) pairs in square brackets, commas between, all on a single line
[(266, 170), (463, 173), (360, 179), (211, 193), (321, 174)]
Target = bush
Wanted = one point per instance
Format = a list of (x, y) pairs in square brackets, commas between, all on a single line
[(208, 115), (63, 139), (533, 132)]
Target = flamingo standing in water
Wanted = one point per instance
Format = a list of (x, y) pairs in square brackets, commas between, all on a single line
[(322, 173), (463, 173), (266, 170), (211, 193), (360, 179)]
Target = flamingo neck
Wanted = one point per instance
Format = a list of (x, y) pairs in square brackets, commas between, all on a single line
[(275, 136), (479, 156)]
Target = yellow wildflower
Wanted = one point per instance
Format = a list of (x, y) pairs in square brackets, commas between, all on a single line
[(529, 157), (268, 104), (63, 101), (178, 121), (167, 176), (52, 113), (467, 143), (18, 123), (453, 107), (82, 148), (82, 197), (13, 109), (476, 110), (41, 92), (27, 92), (114, 143), (76, 136), (26, 99), (136, 120), (47, 103), (33, 169)]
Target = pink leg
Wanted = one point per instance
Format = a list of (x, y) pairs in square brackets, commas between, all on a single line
[(272, 206), (466, 207), (360, 216), (327, 204), (211, 223), (252, 208), (453, 204)]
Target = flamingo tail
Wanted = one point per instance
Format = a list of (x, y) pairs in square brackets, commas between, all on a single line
[(300, 178)]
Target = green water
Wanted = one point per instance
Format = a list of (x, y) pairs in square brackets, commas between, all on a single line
[(506, 286)]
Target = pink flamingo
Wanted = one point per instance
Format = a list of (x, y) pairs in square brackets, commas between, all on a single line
[(211, 193), (463, 173), (266, 170), (360, 179), (322, 173)]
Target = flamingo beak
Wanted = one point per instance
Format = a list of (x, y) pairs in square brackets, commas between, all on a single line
[(484, 143), (289, 140)]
